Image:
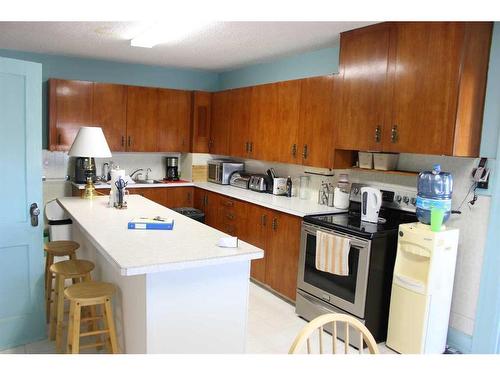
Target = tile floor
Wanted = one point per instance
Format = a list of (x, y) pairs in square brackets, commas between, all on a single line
[(272, 327)]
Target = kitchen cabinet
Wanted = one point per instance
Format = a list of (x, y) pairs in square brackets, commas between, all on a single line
[(319, 111), (232, 215), (415, 87), (70, 107), (241, 140), (208, 202), (142, 119), (220, 123), (201, 117), (174, 120), (157, 195), (283, 253), (109, 111), (365, 87), (181, 196)]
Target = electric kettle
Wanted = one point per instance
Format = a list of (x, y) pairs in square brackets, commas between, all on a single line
[(371, 200)]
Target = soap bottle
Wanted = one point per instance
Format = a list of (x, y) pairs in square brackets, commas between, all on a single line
[(289, 187)]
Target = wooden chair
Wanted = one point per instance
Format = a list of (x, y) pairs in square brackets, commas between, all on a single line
[(323, 320), (91, 294), (55, 249), (77, 270)]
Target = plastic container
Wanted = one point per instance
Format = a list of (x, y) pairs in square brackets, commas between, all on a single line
[(434, 190), (342, 192), (304, 192), (365, 160), (385, 162)]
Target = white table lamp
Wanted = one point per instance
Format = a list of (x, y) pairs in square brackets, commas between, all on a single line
[(90, 143)]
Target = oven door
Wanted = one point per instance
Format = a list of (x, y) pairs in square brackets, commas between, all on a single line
[(345, 292)]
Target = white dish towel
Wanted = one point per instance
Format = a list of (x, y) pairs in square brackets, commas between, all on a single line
[(332, 253)]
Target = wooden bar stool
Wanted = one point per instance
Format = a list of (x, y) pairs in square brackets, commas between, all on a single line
[(91, 293), (55, 249), (77, 270)]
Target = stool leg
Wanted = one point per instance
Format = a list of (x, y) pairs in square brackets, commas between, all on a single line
[(59, 306), (53, 313), (73, 257), (111, 326), (69, 340), (48, 285), (75, 334)]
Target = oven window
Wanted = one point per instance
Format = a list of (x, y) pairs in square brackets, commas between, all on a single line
[(343, 287)]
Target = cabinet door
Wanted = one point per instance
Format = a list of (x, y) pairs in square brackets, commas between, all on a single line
[(256, 233), (426, 83), (142, 119), (365, 87), (219, 127), (263, 121), (174, 120), (70, 105), (157, 195), (283, 254), (317, 120), (211, 210), (201, 121), (109, 111), (240, 120), (179, 197), (284, 134)]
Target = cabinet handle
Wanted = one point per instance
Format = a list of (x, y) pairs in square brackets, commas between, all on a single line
[(247, 147), (59, 138), (275, 224), (251, 146), (123, 140), (189, 197), (304, 153), (378, 134), (263, 220), (230, 216), (205, 201), (228, 203), (294, 150), (210, 145), (129, 141), (394, 134)]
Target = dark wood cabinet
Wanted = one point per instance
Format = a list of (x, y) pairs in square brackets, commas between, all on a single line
[(174, 120), (142, 119), (181, 196), (220, 123), (208, 202), (201, 121), (70, 107), (109, 111), (240, 143)]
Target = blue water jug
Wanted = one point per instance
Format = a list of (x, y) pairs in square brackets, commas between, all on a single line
[(434, 190)]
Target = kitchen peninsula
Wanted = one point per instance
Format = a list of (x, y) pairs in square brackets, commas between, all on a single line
[(178, 291)]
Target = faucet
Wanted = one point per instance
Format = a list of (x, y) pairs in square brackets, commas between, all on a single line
[(134, 172)]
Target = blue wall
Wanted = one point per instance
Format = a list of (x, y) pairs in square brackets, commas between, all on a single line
[(309, 64), (54, 66)]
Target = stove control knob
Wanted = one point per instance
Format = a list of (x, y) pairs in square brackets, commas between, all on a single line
[(413, 201), (398, 198), (406, 199), (355, 191)]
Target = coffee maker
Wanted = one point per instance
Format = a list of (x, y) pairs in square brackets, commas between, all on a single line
[(84, 167), (172, 168)]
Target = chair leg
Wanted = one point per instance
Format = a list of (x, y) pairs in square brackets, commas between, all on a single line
[(59, 306), (111, 326), (49, 259), (75, 337), (69, 340), (53, 313)]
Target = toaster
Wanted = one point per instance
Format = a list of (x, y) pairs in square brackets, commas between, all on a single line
[(260, 182)]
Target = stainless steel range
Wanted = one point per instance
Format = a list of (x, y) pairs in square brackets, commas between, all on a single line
[(365, 291)]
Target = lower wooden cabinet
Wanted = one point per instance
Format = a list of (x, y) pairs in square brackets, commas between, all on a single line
[(179, 197), (277, 233)]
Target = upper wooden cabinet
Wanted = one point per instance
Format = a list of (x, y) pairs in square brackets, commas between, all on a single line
[(142, 119), (70, 107), (415, 87), (220, 123), (201, 116), (174, 120), (239, 109), (109, 111)]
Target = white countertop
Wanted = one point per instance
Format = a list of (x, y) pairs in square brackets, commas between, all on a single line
[(106, 185), (293, 206), (135, 252)]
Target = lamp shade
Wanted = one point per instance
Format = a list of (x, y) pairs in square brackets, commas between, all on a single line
[(90, 142)]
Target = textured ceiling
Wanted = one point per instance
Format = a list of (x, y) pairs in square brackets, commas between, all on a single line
[(218, 46)]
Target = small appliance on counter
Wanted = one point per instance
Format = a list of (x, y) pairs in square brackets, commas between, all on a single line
[(240, 179), (261, 183), (341, 193), (172, 168), (85, 167), (220, 170), (371, 201)]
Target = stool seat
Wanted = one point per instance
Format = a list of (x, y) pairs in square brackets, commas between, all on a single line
[(61, 248), (88, 291), (72, 268)]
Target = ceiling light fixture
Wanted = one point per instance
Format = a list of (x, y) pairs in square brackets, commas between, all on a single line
[(167, 32)]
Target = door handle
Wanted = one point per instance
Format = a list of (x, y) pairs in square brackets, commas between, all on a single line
[(378, 134), (129, 141), (304, 153), (294, 150), (275, 224), (123, 140), (394, 134), (34, 212)]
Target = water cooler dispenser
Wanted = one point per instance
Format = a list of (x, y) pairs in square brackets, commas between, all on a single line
[(422, 289)]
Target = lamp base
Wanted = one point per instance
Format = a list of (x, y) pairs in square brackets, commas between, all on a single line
[(90, 191)]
